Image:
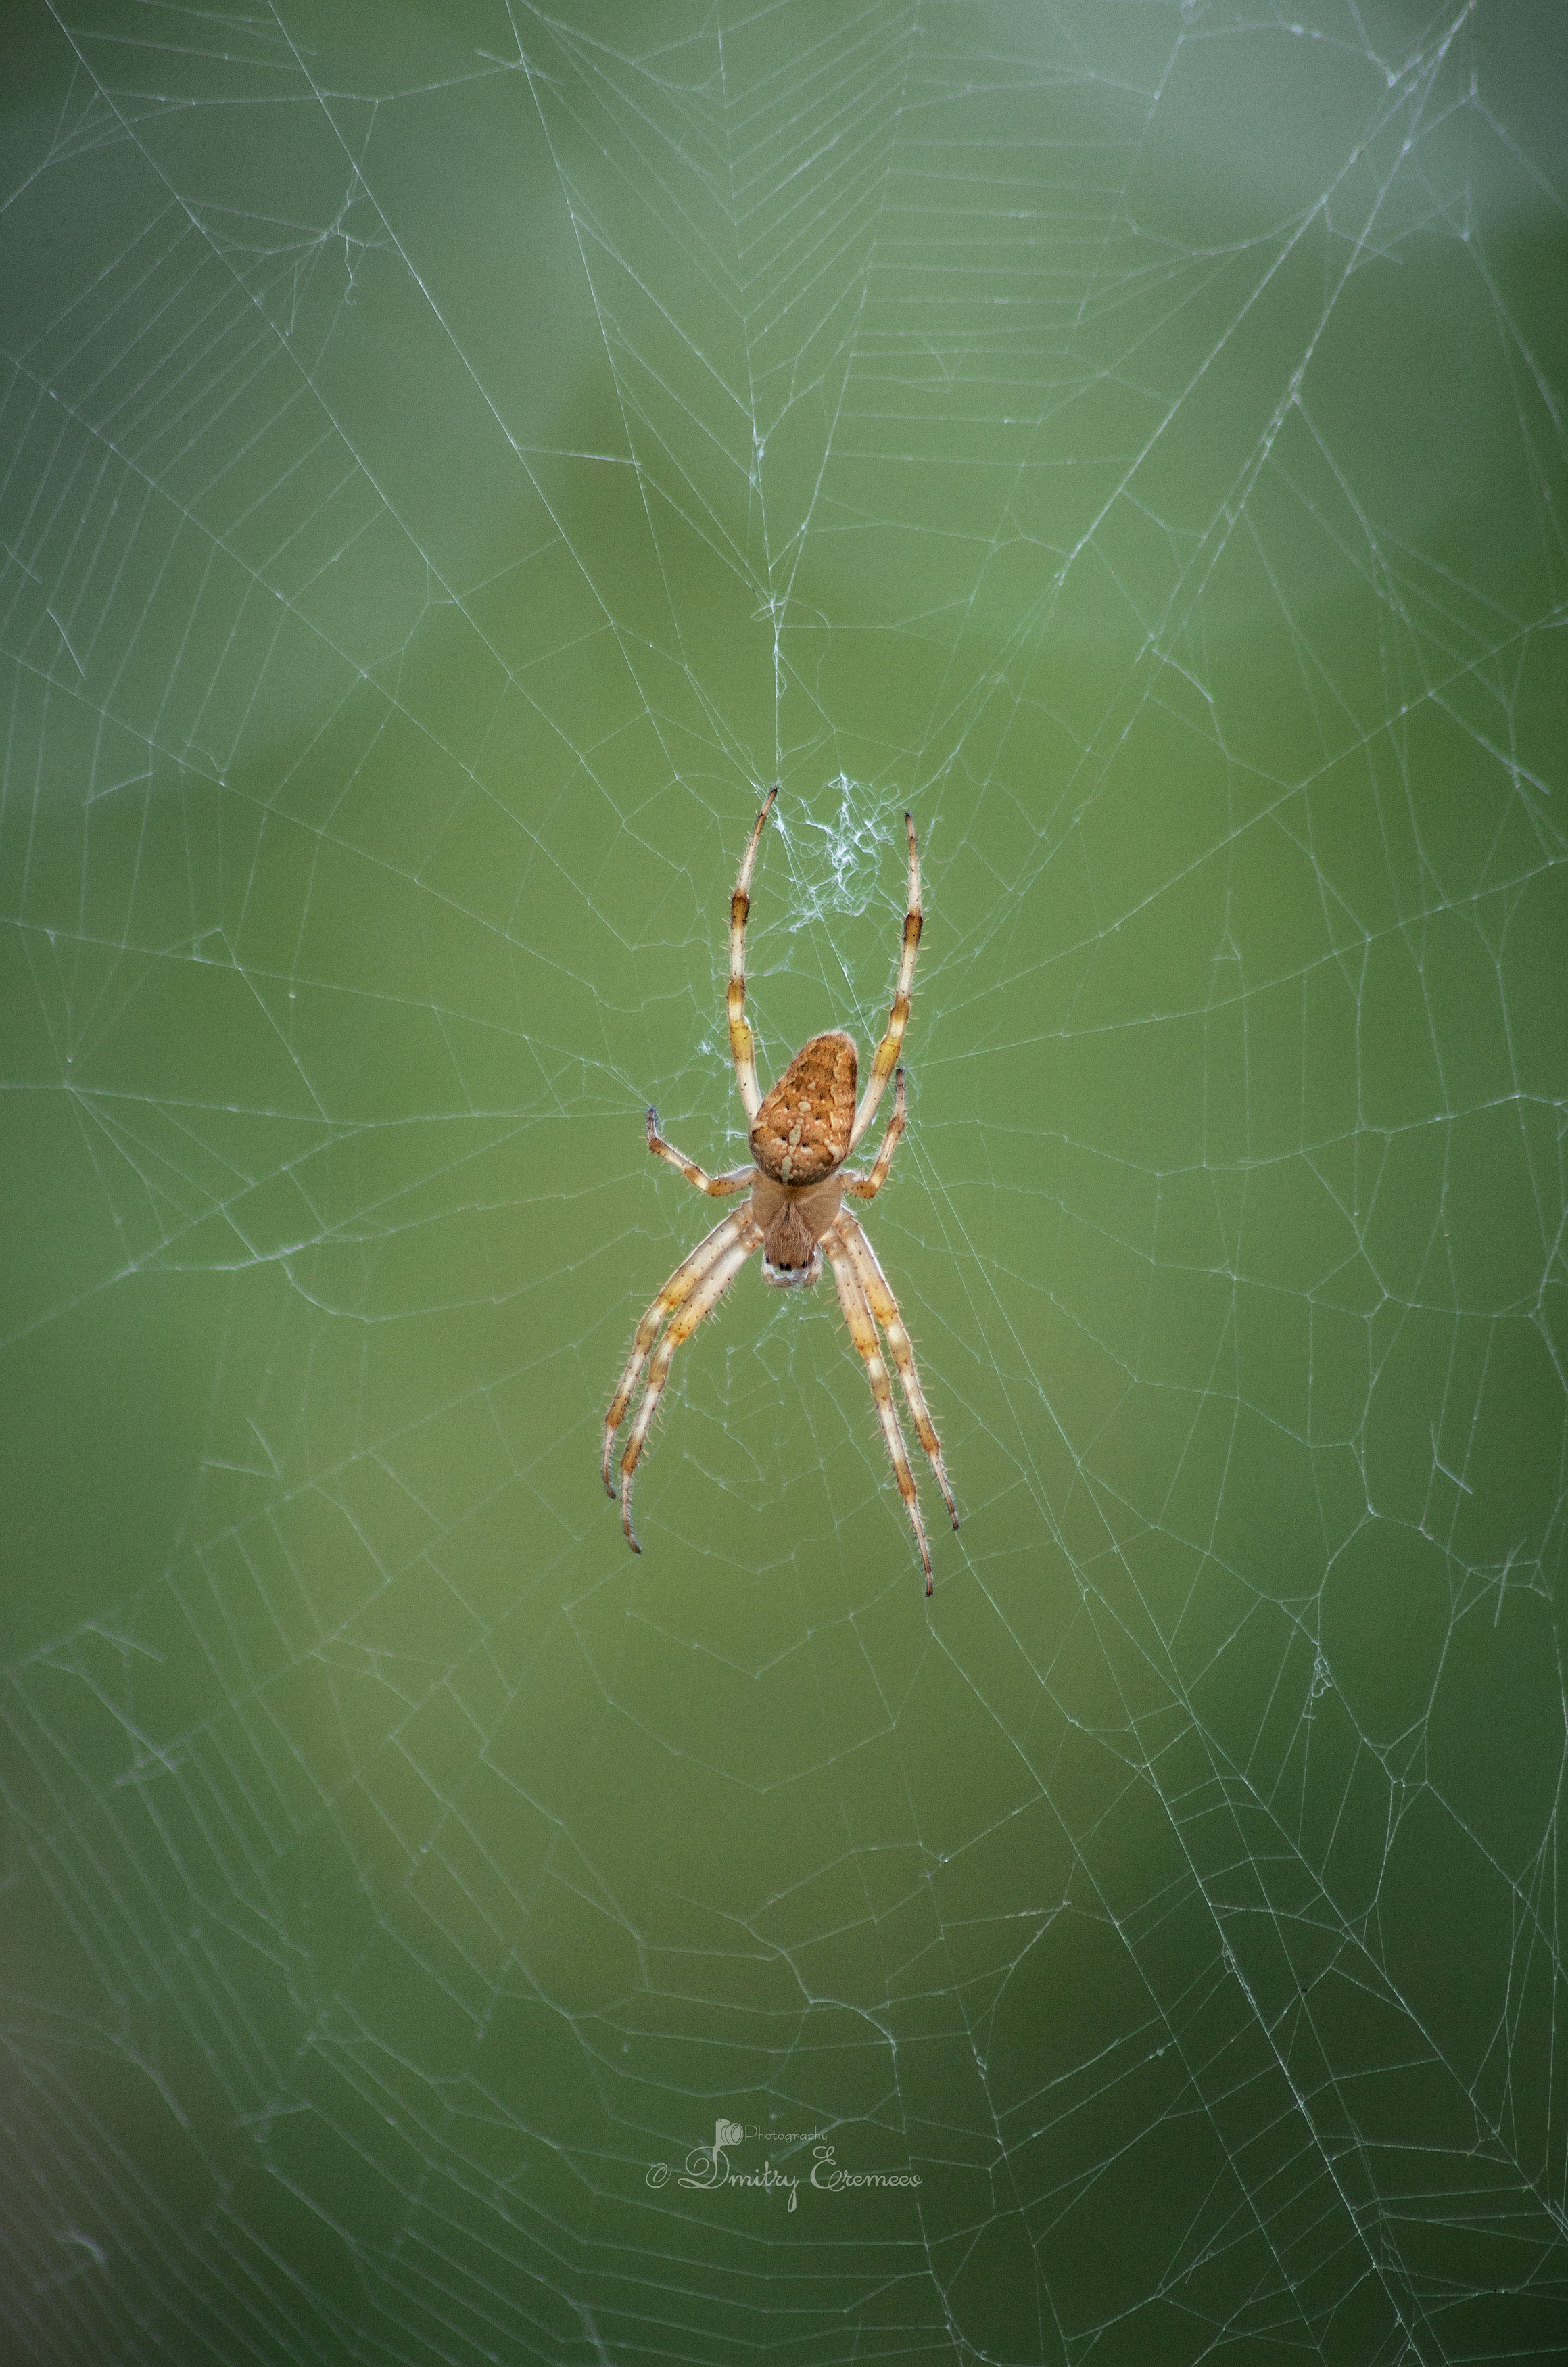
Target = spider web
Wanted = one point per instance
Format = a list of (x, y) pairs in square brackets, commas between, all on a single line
[(454, 458)]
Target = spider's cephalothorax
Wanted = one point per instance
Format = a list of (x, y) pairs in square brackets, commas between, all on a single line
[(800, 1136)]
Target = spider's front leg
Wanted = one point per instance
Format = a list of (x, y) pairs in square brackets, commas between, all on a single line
[(884, 1307), (703, 1297), (676, 1291), (863, 1332)]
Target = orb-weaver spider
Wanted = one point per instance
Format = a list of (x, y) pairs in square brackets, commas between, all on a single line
[(800, 1136)]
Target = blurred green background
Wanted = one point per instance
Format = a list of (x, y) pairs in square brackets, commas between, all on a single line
[(452, 458)]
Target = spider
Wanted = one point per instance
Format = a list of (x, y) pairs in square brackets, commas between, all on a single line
[(801, 1134)]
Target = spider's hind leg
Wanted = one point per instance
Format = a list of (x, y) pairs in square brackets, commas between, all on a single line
[(887, 1059), (741, 1048)]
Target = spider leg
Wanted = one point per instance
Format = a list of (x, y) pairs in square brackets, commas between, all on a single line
[(740, 1045), (679, 1288), (887, 1059), (863, 1332), (884, 1307), (866, 1187), (701, 1302), (715, 1185)]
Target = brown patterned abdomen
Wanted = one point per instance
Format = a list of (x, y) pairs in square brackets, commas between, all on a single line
[(802, 1131)]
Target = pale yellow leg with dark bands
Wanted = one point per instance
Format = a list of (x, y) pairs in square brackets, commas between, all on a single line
[(887, 1059), (684, 1279), (715, 1187), (866, 1187), (701, 1302), (884, 1307), (742, 1049), (863, 1332)]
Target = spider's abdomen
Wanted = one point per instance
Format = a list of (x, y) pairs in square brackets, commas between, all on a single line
[(802, 1130)]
